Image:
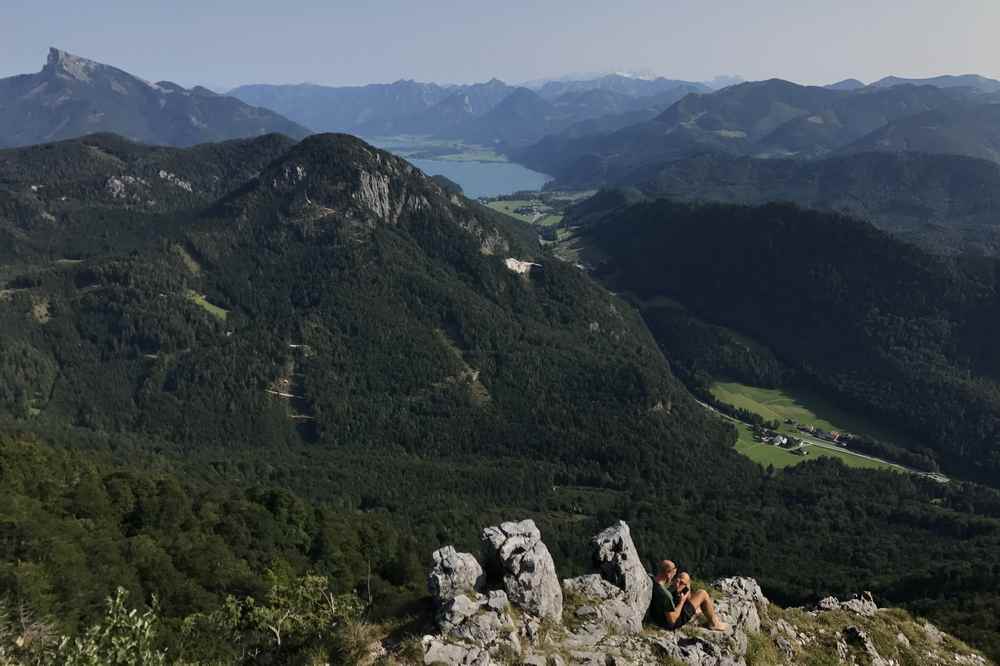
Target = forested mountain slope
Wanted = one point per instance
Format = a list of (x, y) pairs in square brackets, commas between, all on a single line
[(73, 198), (947, 203), (336, 364), (896, 332), (972, 130), (73, 96)]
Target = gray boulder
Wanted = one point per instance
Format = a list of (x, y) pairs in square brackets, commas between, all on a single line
[(741, 587), (482, 620), (597, 607), (514, 550), (862, 604), (740, 603), (858, 637), (618, 561), (701, 650), (437, 651), (453, 574)]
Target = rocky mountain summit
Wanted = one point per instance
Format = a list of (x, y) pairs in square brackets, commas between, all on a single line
[(72, 97), (516, 610)]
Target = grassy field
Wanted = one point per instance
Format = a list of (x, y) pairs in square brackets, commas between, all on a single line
[(547, 219), (507, 208), (214, 310), (804, 408)]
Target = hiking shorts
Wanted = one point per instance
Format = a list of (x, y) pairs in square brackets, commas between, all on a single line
[(687, 612)]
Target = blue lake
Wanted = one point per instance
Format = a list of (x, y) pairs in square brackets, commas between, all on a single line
[(484, 179)]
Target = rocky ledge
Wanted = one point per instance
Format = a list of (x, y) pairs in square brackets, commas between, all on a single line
[(515, 610)]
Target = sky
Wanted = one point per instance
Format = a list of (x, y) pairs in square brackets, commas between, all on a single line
[(224, 43)]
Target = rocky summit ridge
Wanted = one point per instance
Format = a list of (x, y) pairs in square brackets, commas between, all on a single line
[(338, 177), (514, 609)]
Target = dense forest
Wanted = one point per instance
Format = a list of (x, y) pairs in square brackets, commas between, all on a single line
[(330, 371)]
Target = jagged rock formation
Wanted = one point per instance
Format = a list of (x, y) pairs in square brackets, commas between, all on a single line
[(454, 573), (618, 561), (597, 619), (480, 619), (515, 551)]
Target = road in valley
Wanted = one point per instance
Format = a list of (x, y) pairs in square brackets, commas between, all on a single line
[(813, 441)]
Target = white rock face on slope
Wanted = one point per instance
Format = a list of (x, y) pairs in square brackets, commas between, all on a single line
[(518, 266)]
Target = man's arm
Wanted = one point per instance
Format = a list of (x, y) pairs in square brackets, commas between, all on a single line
[(675, 614)]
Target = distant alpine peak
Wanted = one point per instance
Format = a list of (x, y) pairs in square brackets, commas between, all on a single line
[(69, 65), (72, 67), (644, 74), (72, 96)]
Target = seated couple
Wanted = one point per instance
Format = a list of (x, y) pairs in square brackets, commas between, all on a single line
[(675, 604)]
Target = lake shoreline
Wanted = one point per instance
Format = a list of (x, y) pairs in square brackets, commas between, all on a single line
[(479, 176)]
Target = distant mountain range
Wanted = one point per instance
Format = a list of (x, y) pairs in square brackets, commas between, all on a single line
[(972, 130), (974, 81), (608, 129), (324, 108), (72, 96), (625, 85), (492, 113), (774, 119)]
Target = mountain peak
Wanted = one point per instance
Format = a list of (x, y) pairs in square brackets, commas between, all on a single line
[(338, 173), (846, 84), (72, 96), (68, 65)]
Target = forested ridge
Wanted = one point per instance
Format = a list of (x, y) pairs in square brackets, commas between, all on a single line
[(944, 203), (428, 390)]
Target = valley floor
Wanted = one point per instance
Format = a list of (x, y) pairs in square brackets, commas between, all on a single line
[(793, 410)]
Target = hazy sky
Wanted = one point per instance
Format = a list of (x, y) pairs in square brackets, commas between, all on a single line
[(221, 43)]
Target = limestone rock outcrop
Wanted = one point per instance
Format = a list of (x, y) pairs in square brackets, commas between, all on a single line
[(481, 620), (618, 561), (740, 603), (453, 574), (515, 552), (595, 606), (862, 604), (596, 619), (437, 651)]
